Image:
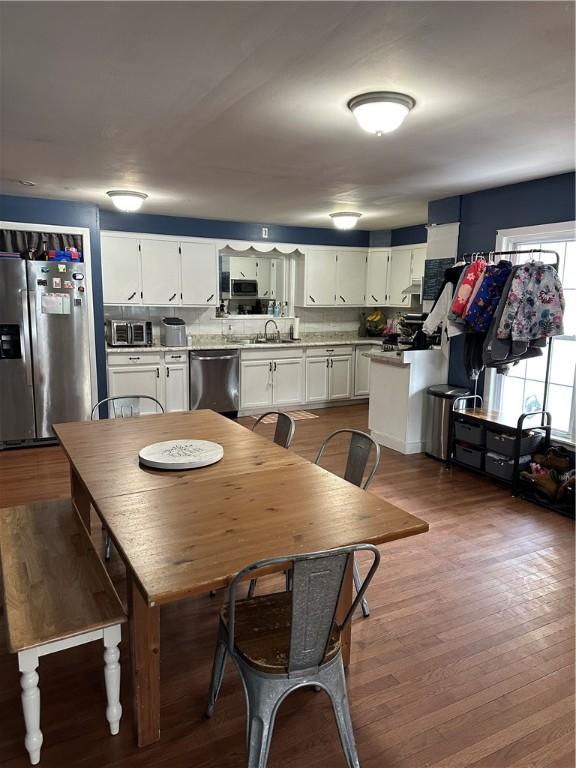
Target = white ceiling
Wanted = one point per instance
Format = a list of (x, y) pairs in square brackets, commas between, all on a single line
[(238, 110)]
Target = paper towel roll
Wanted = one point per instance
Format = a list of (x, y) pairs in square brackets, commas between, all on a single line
[(296, 328)]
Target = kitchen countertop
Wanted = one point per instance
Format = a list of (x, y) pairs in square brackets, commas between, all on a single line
[(401, 357), (211, 342)]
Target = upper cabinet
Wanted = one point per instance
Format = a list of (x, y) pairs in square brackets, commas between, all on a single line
[(390, 271), (399, 277), (121, 270), (159, 271), (351, 277), (243, 268), (199, 265), (327, 277), (377, 277), (418, 262)]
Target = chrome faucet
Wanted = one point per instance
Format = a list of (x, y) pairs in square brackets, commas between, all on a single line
[(266, 330)]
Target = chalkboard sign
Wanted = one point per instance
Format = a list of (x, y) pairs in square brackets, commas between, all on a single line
[(434, 270)]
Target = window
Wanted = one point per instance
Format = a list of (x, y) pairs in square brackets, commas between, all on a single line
[(548, 381)]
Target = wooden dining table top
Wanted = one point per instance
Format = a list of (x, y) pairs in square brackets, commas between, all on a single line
[(185, 533)]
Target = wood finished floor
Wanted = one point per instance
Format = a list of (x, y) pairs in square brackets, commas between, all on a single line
[(466, 660)]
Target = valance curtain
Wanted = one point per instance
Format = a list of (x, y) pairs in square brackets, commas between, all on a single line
[(18, 241)]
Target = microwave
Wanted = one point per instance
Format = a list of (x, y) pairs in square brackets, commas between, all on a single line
[(129, 333), (244, 288)]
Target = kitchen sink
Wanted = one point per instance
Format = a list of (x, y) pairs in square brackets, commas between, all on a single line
[(248, 342)]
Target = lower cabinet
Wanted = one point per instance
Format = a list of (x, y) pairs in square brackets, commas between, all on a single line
[(329, 376), (164, 377), (362, 370), (271, 382)]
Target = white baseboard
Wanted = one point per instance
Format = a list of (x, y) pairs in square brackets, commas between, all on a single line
[(302, 406), (395, 444)]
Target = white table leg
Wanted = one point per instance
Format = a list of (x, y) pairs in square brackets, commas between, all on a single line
[(27, 663), (112, 637)]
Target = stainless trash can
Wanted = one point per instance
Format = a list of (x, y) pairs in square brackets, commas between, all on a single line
[(439, 401)]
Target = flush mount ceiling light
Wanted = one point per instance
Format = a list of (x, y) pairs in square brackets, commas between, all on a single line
[(127, 201), (345, 220), (381, 111), (26, 183)]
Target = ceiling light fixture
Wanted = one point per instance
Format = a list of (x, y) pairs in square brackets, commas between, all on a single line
[(126, 201), (381, 111), (345, 220), (26, 183)]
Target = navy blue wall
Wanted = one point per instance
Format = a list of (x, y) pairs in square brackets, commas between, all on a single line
[(445, 211), (381, 238), (543, 201), (482, 214), (410, 235), (34, 210), (235, 230)]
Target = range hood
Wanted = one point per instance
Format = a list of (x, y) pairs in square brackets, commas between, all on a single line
[(415, 288)]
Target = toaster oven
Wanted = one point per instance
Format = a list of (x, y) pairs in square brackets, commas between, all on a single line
[(129, 333)]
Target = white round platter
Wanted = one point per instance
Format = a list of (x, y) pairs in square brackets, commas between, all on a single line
[(181, 454)]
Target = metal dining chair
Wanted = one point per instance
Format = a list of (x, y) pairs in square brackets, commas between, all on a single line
[(285, 427), (289, 640), (361, 445), (129, 409), (124, 406)]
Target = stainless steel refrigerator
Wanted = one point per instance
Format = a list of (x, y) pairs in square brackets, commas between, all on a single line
[(44, 348)]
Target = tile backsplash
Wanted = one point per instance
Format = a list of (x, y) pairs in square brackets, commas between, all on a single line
[(200, 321)]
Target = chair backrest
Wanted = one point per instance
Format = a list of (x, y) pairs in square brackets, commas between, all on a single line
[(125, 406), (358, 453), (284, 427), (317, 583)]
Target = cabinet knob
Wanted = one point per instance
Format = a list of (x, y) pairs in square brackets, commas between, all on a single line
[(210, 298), (312, 299), (167, 372), (172, 297), (274, 364), (131, 296), (343, 299), (157, 373), (133, 358), (374, 297)]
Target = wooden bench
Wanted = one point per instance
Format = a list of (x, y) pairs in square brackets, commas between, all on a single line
[(57, 595)]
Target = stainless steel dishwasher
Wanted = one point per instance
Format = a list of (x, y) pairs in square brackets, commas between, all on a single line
[(214, 380)]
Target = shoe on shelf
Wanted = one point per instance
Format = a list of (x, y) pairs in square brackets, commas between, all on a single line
[(548, 483), (555, 458)]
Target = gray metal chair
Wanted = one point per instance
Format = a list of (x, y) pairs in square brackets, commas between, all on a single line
[(289, 640), (123, 406), (285, 427), (122, 411), (361, 445)]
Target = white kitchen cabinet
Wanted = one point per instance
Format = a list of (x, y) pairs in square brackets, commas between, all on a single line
[(271, 381), (351, 277), (288, 381), (418, 262), (399, 277), (340, 380), (243, 268), (317, 379), (120, 270), (316, 278), (138, 379), (255, 383), (377, 277), (175, 371), (266, 274), (199, 274), (160, 265), (362, 370)]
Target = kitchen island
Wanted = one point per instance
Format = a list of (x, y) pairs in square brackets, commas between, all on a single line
[(398, 385)]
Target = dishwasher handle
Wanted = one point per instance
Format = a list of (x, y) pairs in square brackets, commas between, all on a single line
[(220, 357)]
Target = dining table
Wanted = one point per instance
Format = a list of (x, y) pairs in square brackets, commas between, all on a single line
[(184, 533)]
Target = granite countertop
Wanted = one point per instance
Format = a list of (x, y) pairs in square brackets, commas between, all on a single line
[(400, 357), (221, 342)]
